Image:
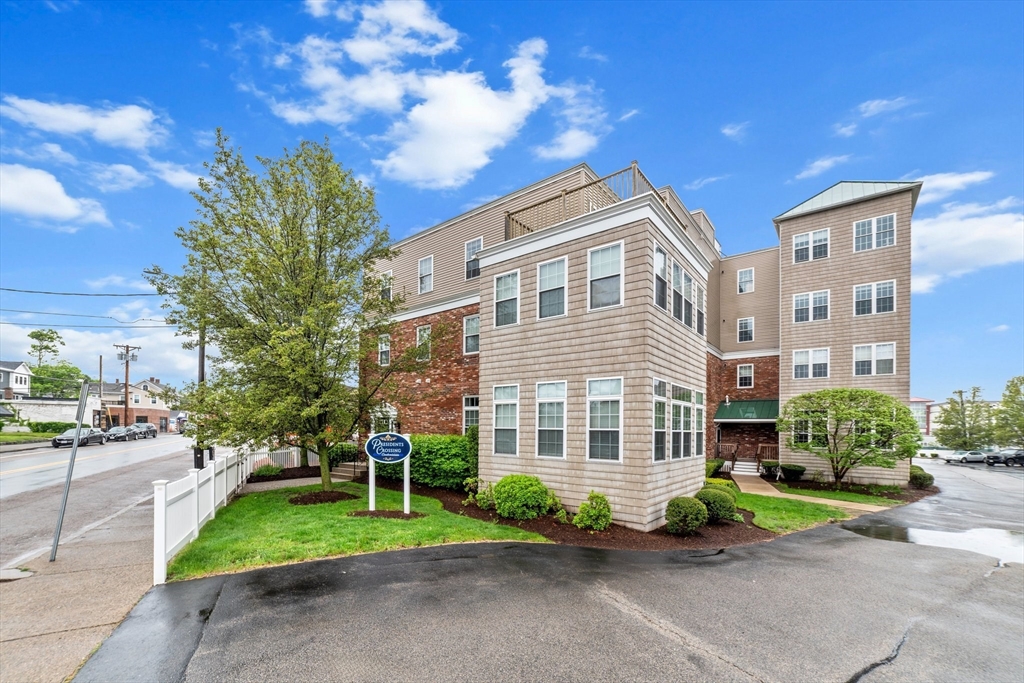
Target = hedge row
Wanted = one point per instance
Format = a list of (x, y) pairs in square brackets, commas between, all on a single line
[(440, 460), (51, 426)]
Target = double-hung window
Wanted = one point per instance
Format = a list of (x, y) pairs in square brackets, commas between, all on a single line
[(879, 297), (385, 286), (605, 276), (660, 278), (506, 420), (687, 431), (699, 300), (745, 376), (604, 417), (801, 308), (820, 301), (819, 244), (677, 292), (680, 396), (660, 420), (874, 233), (136, 398), (470, 412), (810, 363), (812, 429), (745, 330), (423, 342), (551, 419), (745, 280), (698, 421), (506, 299), (152, 400), (426, 274), (874, 359), (472, 262), (687, 300), (384, 350), (810, 246), (551, 289), (810, 306), (471, 334)]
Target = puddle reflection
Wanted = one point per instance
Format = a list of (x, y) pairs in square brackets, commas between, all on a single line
[(1005, 546)]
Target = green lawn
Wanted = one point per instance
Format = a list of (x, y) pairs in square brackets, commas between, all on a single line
[(21, 437), (782, 515), (261, 529), (848, 496)]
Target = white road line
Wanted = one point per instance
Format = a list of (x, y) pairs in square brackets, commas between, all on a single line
[(62, 463)]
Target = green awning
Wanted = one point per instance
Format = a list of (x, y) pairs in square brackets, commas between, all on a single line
[(747, 411)]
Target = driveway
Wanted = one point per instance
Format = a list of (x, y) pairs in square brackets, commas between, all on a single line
[(821, 605)]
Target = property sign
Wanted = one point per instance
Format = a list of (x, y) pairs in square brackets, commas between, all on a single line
[(388, 447)]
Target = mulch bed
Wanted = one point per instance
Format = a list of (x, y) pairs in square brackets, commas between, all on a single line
[(287, 473), (907, 495), (317, 497), (386, 514), (616, 537)]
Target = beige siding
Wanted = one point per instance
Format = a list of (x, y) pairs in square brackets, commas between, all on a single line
[(839, 273), (447, 245), (762, 304)]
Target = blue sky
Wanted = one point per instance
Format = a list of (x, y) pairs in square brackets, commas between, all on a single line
[(107, 111)]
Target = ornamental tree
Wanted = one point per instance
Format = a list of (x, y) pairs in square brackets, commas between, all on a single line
[(279, 280), (850, 428), (965, 423), (47, 343), (60, 380), (1009, 427)]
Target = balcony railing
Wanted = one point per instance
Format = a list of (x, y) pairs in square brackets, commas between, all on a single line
[(625, 184)]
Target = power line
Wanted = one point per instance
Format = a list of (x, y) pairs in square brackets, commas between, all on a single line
[(109, 327), (35, 291), (83, 315)]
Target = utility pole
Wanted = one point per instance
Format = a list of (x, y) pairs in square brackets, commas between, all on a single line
[(127, 356), (101, 394)]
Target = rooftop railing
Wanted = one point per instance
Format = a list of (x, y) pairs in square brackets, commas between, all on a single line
[(625, 184)]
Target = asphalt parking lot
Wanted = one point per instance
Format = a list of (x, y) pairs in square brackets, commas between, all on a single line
[(821, 605)]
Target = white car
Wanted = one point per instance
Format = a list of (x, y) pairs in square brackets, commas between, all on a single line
[(964, 456)]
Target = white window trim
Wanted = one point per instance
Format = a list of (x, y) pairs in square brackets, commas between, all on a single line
[(565, 419), (464, 335), (792, 251), (874, 360), (465, 427), (874, 233), (810, 364), (874, 298), (622, 278), (828, 233), (667, 400), (745, 365), (494, 420), (465, 260), (753, 277), (810, 307), (380, 350), (588, 380), (565, 288), (429, 330), (390, 278), (519, 300), (654, 279), (419, 283), (752, 333)]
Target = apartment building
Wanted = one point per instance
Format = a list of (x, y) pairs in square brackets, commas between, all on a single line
[(605, 342)]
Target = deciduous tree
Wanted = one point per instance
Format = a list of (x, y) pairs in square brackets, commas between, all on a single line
[(1010, 414), (60, 380), (965, 422), (47, 343)]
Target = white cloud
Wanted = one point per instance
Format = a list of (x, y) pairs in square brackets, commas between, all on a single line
[(846, 131), (319, 8), (999, 328), (628, 115), (819, 166), (701, 182), (173, 174), (116, 177), (940, 185), (735, 131), (963, 238), (587, 53), (875, 107), (393, 29), (128, 126), (39, 195), (570, 144), (119, 281), (47, 151), (582, 126)]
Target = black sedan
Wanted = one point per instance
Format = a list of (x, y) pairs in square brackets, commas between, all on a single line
[(1007, 456), (143, 430), (121, 434), (88, 436)]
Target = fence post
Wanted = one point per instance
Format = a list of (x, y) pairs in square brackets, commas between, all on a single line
[(193, 475), (159, 532), (213, 490), (636, 177)]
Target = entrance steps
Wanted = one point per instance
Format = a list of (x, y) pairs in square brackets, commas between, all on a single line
[(347, 471), (744, 466)]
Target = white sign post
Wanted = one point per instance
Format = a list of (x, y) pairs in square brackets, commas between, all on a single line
[(388, 448)]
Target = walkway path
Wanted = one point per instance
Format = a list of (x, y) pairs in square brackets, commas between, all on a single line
[(748, 483)]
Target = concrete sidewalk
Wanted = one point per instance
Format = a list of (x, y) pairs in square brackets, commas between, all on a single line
[(55, 618), (749, 483)]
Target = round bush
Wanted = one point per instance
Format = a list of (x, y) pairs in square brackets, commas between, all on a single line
[(724, 489), (595, 513), (719, 504), (520, 496), (920, 479), (793, 472), (727, 483), (685, 515), (770, 467)]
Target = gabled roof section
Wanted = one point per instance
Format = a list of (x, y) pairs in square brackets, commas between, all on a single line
[(850, 191), (14, 365)]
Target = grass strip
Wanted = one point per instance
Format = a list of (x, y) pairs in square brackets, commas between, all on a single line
[(261, 529), (783, 515), (26, 437), (847, 496)]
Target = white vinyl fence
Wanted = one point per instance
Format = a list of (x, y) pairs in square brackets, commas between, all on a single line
[(182, 507)]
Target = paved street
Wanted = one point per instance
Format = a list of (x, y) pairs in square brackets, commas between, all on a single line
[(822, 605)]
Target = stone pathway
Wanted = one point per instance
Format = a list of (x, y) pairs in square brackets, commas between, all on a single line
[(751, 484)]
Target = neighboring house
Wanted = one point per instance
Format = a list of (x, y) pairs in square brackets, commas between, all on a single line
[(145, 404), (15, 379), (606, 343), (922, 410)]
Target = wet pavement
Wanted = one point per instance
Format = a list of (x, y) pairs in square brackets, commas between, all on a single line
[(823, 605)]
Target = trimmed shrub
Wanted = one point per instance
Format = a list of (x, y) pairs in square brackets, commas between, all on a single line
[(727, 483), (685, 515), (267, 471), (440, 460), (724, 489), (342, 452), (484, 498), (920, 479), (521, 496), (793, 472), (595, 513), (720, 504), (57, 427), (770, 467), (711, 467)]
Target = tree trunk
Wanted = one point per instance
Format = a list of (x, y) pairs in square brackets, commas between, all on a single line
[(325, 465), (304, 461)]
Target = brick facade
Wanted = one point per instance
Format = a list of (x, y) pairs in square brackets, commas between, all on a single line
[(722, 382), (159, 417)]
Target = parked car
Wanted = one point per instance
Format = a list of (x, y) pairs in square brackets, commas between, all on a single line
[(88, 435), (144, 430), (964, 456), (121, 434), (1007, 456)]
